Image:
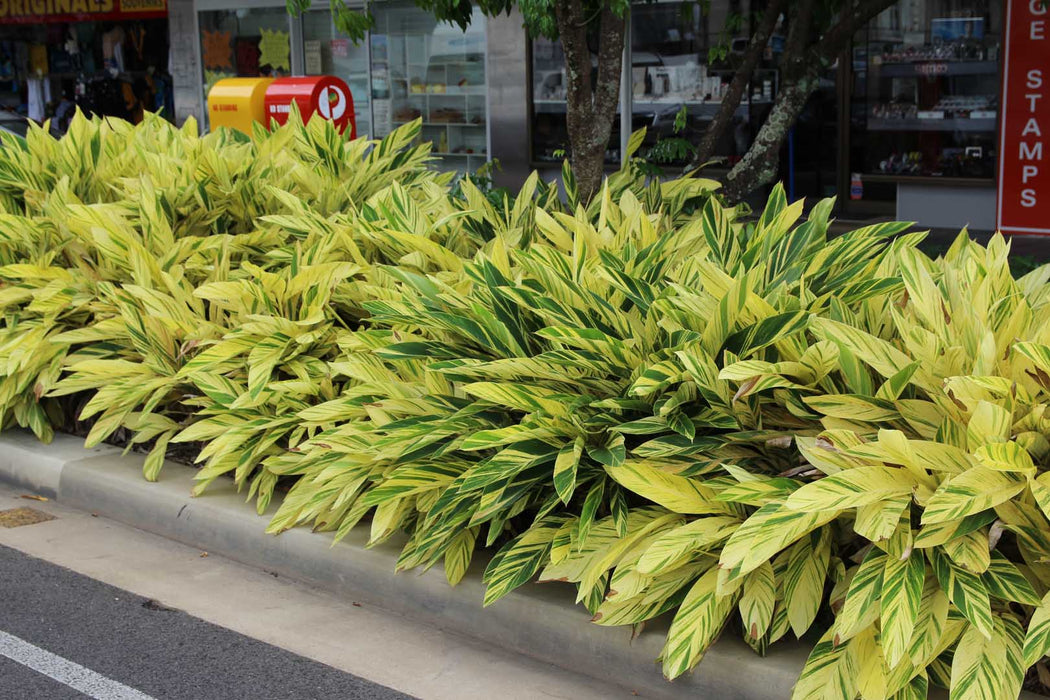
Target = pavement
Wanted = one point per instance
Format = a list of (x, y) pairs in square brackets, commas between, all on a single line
[(94, 608)]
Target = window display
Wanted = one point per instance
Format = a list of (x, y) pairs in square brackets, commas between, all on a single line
[(111, 68), (926, 83), (247, 43), (326, 52), (422, 69), (670, 69)]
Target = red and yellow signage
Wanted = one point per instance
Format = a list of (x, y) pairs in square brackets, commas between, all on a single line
[(1024, 127), (237, 102), (325, 95), (39, 11)]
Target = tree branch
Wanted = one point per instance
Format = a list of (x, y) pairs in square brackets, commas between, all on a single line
[(731, 99), (798, 37), (836, 39), (610, 64)]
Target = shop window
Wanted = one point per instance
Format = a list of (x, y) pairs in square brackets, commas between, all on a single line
[(111, 68), (924, 99), (422, 69), (327, 52), (673, 69), (249, 42), (550, 134)]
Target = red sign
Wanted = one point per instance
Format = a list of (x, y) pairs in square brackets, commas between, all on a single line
[(324, 95), (40, 11), (1024, 127)]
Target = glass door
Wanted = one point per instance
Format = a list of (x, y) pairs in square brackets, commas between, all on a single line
[(422, 69), (327, 52)]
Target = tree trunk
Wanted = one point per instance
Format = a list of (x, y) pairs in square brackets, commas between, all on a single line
[(759, 166), (735, 91), (590, 104), (806, 53)]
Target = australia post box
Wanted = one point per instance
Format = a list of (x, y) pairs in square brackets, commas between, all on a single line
[(324, 95), (237, 102)]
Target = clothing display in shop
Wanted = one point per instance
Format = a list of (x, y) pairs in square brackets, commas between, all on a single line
[(35, 99), (38, 59), (247, 57), (113, 49)]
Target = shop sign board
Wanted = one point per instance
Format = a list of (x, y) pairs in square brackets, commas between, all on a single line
[(1024, 129), (42, 11)]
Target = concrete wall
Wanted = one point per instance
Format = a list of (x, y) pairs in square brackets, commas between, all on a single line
[(947, 206), (508, 97), (185, 60)]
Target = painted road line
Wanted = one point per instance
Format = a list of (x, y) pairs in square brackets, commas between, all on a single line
[(92, 684)]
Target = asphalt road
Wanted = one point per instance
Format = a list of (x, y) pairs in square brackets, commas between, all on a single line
[(114, 644)]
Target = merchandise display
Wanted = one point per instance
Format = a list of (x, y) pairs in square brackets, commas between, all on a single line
[(433, 72), (110, 68), (925, 85)]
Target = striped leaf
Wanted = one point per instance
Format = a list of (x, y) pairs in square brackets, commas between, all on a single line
[(830, 672), (1037, 639), (989, 666), (851, 488), (697, 623), (769, 530), (969, 493), (676, 493), (1006, 582), (861, 605), (565, 467), (902, 585), (678, 545), (966, 591), (757, 600), (807, 568)]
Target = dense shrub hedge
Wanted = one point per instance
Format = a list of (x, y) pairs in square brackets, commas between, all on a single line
[(673, 409)]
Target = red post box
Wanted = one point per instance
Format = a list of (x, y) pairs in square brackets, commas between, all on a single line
[(323, 95)]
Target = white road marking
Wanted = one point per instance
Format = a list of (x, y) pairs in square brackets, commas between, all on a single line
[(92, 684)]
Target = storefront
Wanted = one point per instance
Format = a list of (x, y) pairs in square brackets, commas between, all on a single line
[(409, 67), (108, 57), (907, 124)]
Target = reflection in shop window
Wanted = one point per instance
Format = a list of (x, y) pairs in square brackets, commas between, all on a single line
[(924, 99), (671, 70), (435, 72), (327, 52)]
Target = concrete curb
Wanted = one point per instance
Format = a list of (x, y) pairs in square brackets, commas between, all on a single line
[(537, 621)]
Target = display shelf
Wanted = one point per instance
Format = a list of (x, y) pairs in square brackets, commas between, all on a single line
[(402, 122), (957, 124), (926, 69), (425, 59), (928, 179)]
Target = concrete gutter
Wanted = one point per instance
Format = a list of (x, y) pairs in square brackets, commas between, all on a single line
[(537, 621)]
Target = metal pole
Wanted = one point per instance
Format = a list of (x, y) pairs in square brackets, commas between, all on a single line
[(626, 87)]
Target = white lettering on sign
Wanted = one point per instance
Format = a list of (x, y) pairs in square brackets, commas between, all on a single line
[(332, 103), (1023, 177)]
